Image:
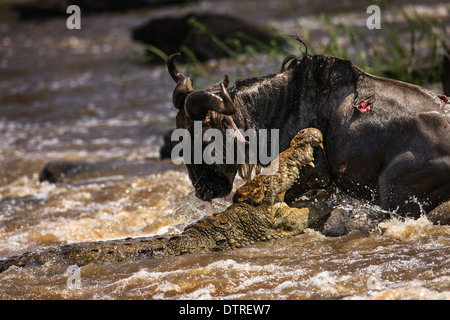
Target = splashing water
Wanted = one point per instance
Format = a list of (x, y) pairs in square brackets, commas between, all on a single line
[(74, 97)]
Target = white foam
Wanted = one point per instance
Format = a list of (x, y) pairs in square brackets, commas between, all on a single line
[(408, 229)]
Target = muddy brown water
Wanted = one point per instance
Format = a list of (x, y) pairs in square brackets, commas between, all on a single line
[(85, 95)]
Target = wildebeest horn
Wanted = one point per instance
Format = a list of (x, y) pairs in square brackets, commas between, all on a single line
[(199, 103), (184, 84)]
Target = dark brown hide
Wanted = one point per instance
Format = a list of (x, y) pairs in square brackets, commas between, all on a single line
[(386, 141)]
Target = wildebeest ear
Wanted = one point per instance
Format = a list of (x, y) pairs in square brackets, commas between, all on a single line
[(181, 91), (217, 87)]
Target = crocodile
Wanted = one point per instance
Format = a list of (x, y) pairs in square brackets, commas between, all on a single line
[(258, 213), (337, 115)]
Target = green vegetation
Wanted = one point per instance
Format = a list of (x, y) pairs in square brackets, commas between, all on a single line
[(386, 52), (408, 49)]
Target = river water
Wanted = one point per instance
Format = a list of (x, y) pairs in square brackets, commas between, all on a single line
[(86, 95)]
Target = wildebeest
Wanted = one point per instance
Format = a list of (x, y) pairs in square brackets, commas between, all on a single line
[(385, 141), (377, 139)]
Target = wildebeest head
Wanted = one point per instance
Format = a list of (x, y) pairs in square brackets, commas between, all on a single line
[(213, 108)]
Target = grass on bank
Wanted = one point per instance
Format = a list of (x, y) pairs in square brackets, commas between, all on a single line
[(409, 50)]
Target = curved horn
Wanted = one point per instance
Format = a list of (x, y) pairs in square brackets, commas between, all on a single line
[(198, 103), (230, 107), (184, 84), (173, 70)]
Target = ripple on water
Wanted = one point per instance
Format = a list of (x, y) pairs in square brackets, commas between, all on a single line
[(82, 100)]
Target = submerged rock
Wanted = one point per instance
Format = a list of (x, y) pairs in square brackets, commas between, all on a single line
[(208, 35), (58, 171), (343, 221), (168, 144)]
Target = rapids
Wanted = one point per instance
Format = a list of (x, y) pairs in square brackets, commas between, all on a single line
[(86, 95)]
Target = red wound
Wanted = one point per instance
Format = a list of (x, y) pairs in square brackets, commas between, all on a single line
[(364, 106)]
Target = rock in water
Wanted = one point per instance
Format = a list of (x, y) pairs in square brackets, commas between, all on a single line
[(207, 35), (58, 171)]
